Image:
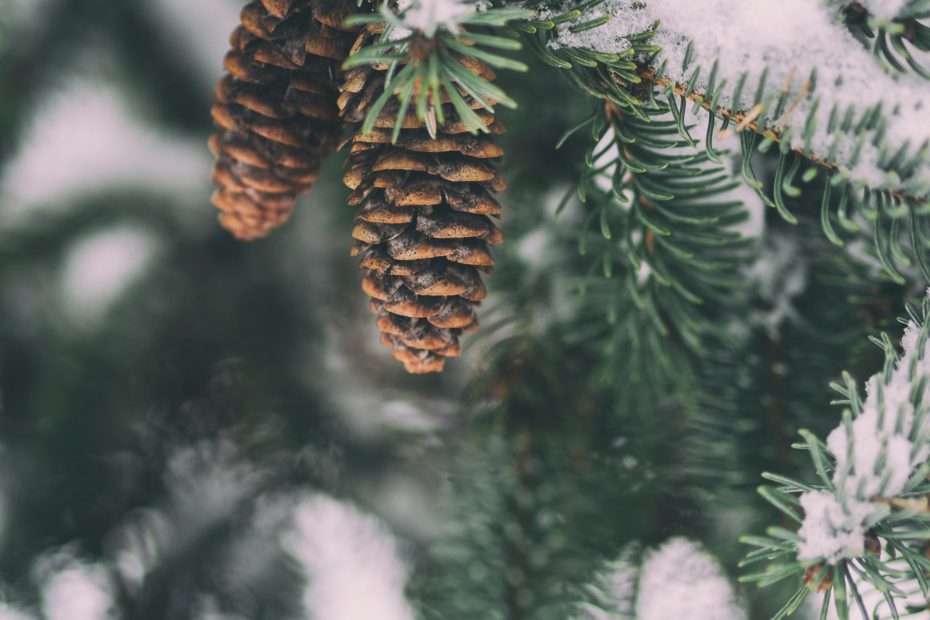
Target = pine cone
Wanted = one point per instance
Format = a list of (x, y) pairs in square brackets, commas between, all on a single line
[(423, 225), (275, 112)]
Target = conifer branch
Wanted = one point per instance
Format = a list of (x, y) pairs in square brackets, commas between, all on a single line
[(826, 130), (867, 514), (430, 60), (659, 217)]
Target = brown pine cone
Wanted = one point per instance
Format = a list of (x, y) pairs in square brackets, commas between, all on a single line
[(275, 111), (424, 220)]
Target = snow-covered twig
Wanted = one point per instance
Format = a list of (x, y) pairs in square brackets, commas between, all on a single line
[(866, 523), (788, 69), (880, 455)]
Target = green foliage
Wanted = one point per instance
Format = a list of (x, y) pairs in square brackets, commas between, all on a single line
[(636, 78), (897, 558), (891, 41), (424, 69), (613, 77), (899, 229), (666, 222), (549, 486), (818, 311), (649, 253)]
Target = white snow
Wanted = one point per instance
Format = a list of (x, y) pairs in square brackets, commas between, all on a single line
[(677, 580), (681, 580), (827, 531), (430, 16), (100, 267), (83, 138), (886, 9), (352, 563), (875, 457), (792, 38), (78, 592)]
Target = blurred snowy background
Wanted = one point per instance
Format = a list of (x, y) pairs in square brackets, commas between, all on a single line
[(179, 409)]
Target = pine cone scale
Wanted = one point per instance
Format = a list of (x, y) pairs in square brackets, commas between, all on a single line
[(276, 112), (278, 8)]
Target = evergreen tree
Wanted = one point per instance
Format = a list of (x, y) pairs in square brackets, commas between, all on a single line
[(701, 219)]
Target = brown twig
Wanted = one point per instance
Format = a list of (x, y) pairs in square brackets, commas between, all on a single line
[(912, 504), (749, 120)]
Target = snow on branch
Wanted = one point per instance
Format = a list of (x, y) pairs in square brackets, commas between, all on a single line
[(864, 526), (677, 580), (681, 580), (880, 455), (351, 561), (788, 69), (428, 16)]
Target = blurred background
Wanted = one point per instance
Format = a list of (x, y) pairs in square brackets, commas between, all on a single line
[(172, 399)]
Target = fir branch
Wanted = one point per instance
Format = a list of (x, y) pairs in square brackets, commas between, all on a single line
[(848, 142), (887, 209), (660, 223), (868, 513), (438, 58)]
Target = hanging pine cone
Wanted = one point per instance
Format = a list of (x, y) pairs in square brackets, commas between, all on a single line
[(423, 225), (275, 111)]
